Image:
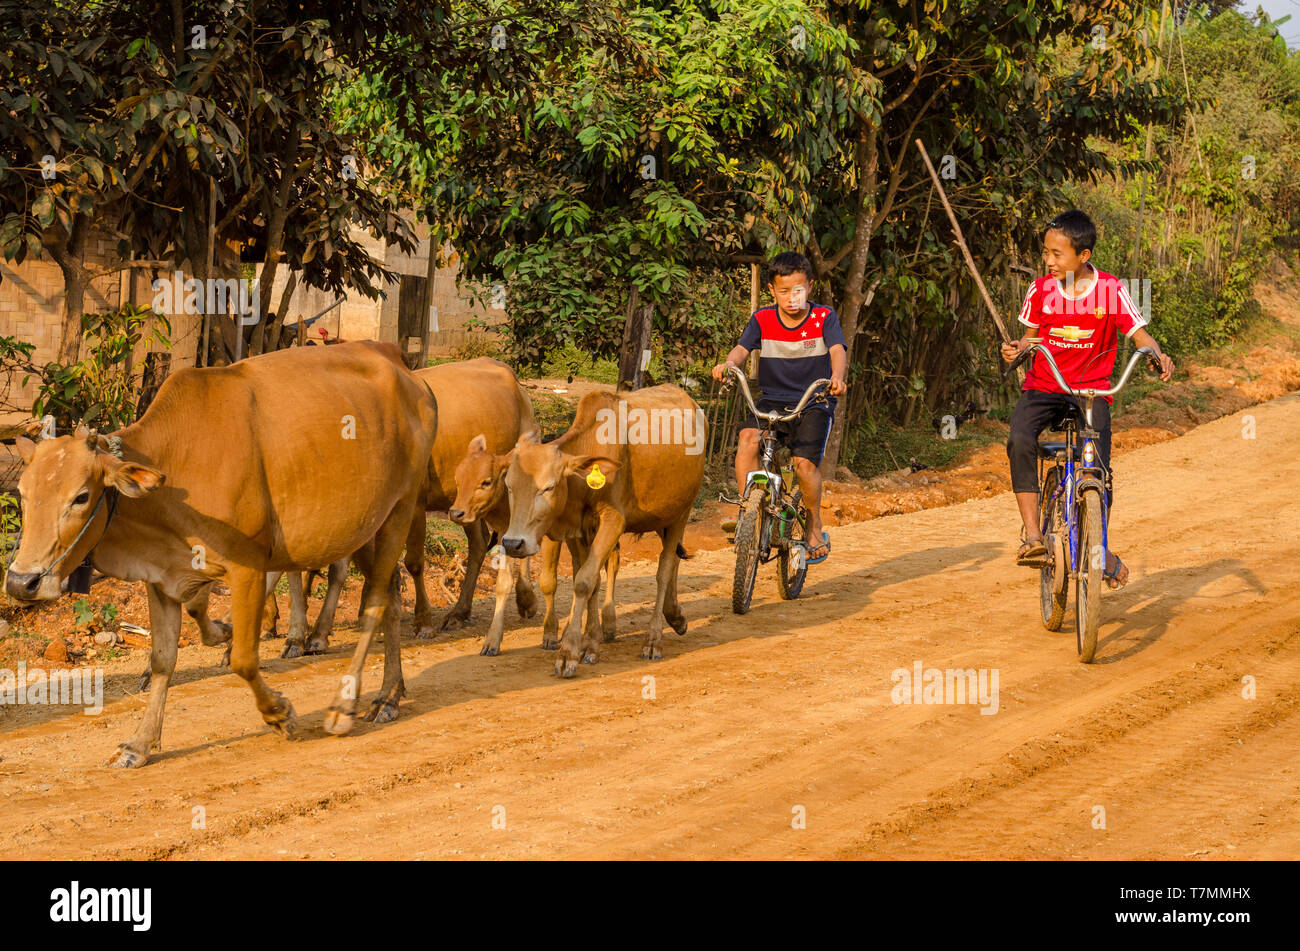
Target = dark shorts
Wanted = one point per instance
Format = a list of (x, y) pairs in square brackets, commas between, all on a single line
[(805, 436)]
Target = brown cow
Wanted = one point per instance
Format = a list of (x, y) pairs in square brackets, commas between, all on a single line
[(481, 494), (245, 494), (649, 447), (475, 397)]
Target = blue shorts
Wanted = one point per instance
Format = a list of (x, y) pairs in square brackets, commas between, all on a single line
[(805, 436)]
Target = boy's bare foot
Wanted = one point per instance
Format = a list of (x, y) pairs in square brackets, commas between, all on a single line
[(1116, 573), (1032, 553)]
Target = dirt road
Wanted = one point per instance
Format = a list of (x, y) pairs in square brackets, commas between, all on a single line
[(758, 721)]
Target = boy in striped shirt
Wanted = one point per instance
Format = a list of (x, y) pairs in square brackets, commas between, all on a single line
[(1074, 311), (800, 342)]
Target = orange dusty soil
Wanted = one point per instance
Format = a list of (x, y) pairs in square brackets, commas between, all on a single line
[(1182, 731)]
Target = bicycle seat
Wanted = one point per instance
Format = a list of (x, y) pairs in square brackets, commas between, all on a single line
[(1050, 450)]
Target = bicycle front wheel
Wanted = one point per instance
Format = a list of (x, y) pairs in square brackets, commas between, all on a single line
[(1088, 582), (1053, 591), (792, 552), (749, 533)]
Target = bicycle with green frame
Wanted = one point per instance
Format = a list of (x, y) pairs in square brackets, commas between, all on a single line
[(773, 521)]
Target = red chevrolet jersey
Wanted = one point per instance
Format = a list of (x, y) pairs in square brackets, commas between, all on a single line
[(1079, 332)]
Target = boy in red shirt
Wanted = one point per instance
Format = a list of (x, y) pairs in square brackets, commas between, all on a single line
[(1074, 311)]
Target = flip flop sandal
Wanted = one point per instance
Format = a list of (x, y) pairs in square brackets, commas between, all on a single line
[(1112, 577), (826, 540), (1032, 554)]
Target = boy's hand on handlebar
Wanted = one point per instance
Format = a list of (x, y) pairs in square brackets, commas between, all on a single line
[(720, 371), (837, 387), (1163, 365), (1012, 349)]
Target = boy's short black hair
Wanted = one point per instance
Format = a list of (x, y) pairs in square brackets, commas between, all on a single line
[(1077, 228), (787, 263)]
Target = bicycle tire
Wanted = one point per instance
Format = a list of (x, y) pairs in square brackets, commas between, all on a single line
[(749, 529), (790, 584), (1051, 604), (1088, 580)]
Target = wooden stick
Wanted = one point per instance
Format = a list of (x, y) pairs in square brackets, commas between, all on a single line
[(970, 262)]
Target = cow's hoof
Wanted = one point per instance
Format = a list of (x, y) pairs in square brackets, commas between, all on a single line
[(317, 645), (270, 634), (284, 721), (426, 633), (126, 758), (566, 667), (382, 711), (337, 722), (550, 642), (454, 622), (145, 680), (292, 649), (589, 657), (490, 650), (651, 652), (610, 636), (225, 659)]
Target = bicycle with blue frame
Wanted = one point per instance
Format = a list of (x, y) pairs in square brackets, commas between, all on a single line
[(773, 521), (1073, 488)]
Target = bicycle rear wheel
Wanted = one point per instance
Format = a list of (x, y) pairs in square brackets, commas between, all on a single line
[(1052, 593), (749, 533), (1088, 582), (793, 535)]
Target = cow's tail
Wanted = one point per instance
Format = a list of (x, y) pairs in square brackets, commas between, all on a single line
[(682, 553)]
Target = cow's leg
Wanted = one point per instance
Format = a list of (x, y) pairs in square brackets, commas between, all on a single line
[(297, 606), (585, 580), (546, 582), (324, 627), (476, 534), (384, 707), (415, 565), (525, 593), (505, 581), (165, 630), (608, 619), (247, 592), (672, 607), (271, 616), (211, 633), (380, 566), (577, 555), (664, 583)]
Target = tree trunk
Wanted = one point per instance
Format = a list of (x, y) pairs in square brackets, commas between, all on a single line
[(636, 341), (279, 214), (854, 297), (71, 260)]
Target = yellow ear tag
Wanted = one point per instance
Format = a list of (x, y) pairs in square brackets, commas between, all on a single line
[(596, 478)]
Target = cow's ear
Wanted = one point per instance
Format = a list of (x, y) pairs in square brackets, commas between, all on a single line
[(132, 479), (582, 465), (530, 438), (478, 443), (502, 462), (26, 448)]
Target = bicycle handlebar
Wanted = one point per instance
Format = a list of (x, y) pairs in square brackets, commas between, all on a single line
[(1065, 387), (773, 416)]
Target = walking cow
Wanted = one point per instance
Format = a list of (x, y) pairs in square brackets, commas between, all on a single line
[(211, 485)]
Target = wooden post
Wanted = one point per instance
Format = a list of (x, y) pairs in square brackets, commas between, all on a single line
[(212, 238)]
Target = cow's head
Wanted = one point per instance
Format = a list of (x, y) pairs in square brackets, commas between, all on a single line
[(61, 488), (542, 482), (480, 482)]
